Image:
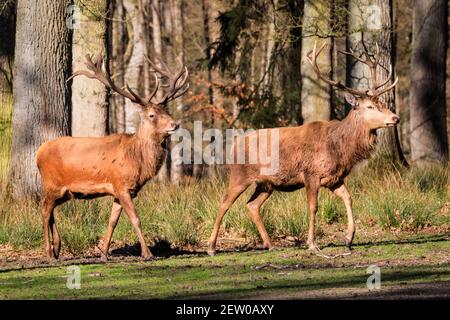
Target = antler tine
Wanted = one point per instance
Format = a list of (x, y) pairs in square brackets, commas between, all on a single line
[(176, 87), (157, 84), (312, 59), (175, 93), (387, 79), (379, 93), (96, 67)]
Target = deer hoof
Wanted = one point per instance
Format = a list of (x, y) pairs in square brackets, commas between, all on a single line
[(148, 257), (103, 255), (55, 253), (348, 243), (314, 248), (211, 252)]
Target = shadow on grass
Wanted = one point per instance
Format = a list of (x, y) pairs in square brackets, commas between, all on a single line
[(302, 288), (412, 240)]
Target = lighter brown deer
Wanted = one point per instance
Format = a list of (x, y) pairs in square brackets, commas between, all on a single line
[(117, 165), (314, 155)]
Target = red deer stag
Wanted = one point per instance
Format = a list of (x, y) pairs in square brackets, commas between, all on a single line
[(314, 155), (117, 165)]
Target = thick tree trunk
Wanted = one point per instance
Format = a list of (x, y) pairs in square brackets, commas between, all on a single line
[(134, 74), (117, 66), (7, 34), (41, 94), (427, 96), (316, 95), (176, 170), (89, 96), (291, 62), (211, 169)]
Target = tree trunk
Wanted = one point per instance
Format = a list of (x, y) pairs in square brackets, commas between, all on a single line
[(134, 73), (428, 71), (117, 66), (176, 171), (164, 172), (41, 94), (270, 46), (89, 96), (316, 94), (291, 62), (375, 19), (7, 34), (211, 169)]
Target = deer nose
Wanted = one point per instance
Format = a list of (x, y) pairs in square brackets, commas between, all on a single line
[(396, 119)]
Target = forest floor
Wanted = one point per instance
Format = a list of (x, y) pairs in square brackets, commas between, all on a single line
[(413, 267)]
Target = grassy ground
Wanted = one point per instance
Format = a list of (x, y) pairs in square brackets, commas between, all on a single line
[(418, 267), (387, 204)]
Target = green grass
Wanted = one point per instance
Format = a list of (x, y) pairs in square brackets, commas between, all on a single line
[(393, 202), (286, 273)]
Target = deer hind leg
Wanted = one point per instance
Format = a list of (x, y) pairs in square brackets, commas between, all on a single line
[(115, 215), (261, 194), (48, 204), (233, 192), (342, 192), (312, 192), (127, 204)]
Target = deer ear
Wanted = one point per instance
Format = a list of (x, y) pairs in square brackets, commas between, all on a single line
[(351, 99)]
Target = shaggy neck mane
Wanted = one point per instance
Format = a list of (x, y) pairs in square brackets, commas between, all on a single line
[(350, 140), (146, 147)]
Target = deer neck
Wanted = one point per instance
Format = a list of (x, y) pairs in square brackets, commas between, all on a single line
[(352, 141), (149, 150)]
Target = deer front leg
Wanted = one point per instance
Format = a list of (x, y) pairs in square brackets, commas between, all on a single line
[(127, 204), (342, 192), (312, 191), (115, 215)]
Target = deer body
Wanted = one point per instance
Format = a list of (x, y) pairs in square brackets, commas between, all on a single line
[(86, 168), (118, 165), (314, 155), (336, 145)]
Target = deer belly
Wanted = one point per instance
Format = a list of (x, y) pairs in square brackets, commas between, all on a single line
[(89, 190)]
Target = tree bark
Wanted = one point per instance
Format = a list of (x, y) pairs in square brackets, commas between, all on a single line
[(176, 170), (117, 66), (41, 94), (89, 96), (134, 73), (316, 95), (428, 71), (7, 34)]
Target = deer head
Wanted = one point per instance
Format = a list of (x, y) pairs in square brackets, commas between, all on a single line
[(152, 112), (367, 103)]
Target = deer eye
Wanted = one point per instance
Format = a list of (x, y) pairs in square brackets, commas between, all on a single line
[(151, 115), (369, 107)]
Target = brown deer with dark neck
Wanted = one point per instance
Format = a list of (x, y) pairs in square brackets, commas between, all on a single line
[(314, 155), (117, 165)]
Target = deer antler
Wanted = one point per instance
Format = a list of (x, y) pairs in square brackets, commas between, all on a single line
[(373, 63), (312, 59), (178, 84), (97, 73)]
